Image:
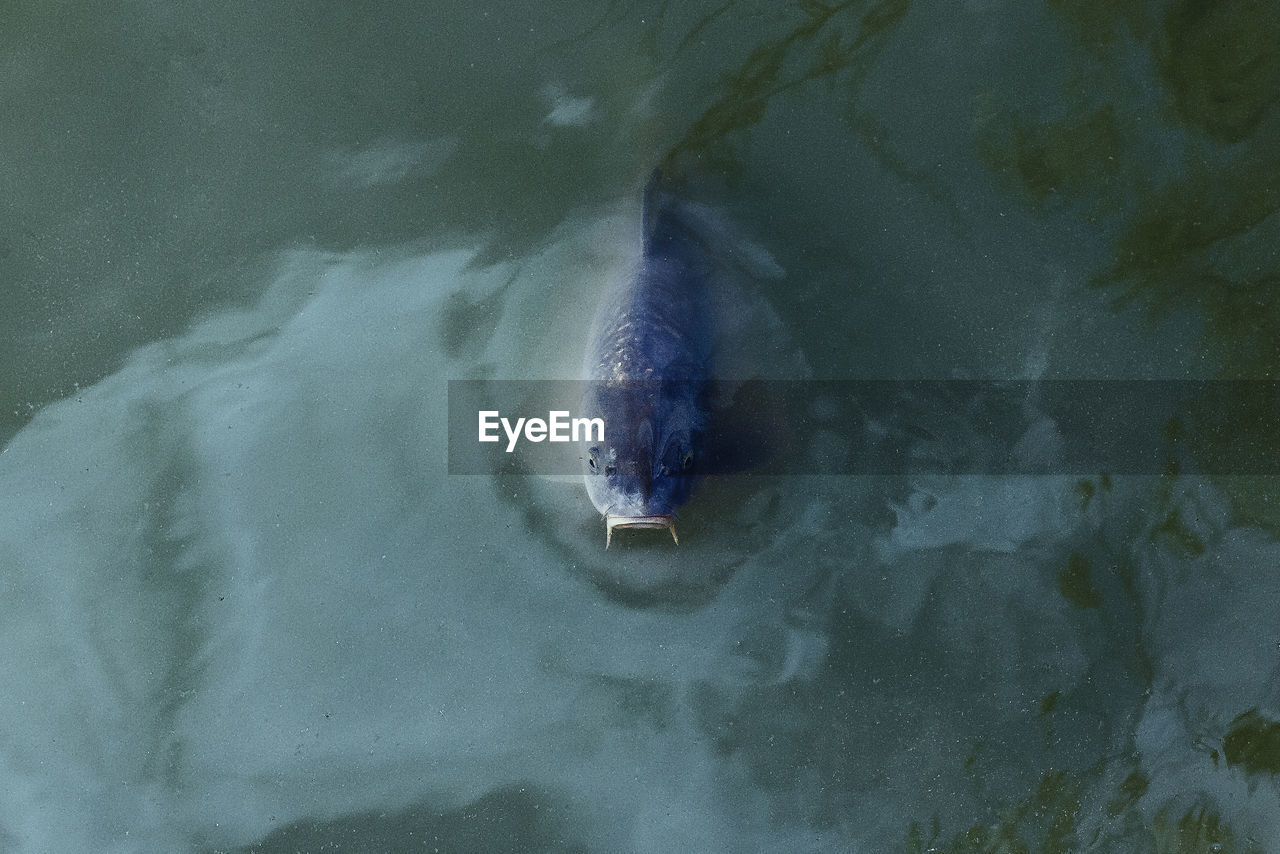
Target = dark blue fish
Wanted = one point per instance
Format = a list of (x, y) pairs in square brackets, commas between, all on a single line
[(647, 367)]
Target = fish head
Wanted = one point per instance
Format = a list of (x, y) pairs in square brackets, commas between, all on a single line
[(647, 466)]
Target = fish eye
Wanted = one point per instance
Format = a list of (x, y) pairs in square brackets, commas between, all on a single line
[(687, 462), (591, 459)]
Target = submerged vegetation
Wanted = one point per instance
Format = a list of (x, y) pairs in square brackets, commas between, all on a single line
[(1253, 743), (1194, 217), (1075, 583), (1050, 821), (819, 46), (1180, 169), (1198, 830), (1045, 821)]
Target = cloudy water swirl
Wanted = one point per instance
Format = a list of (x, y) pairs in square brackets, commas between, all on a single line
[(247, 607)]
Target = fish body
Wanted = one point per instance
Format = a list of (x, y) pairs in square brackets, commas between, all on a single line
[(647, 365)]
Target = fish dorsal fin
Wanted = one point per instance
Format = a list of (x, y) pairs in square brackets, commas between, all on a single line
[(717, 234), (654, 197)]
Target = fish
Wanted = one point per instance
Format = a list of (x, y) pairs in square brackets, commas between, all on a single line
[(647, 366)]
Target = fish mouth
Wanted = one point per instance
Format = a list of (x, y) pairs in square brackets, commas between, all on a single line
[(662, 520)]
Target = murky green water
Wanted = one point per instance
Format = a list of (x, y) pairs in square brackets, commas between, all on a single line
[(245, 608)]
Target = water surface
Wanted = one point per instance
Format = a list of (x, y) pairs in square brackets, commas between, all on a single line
[(245, 607)]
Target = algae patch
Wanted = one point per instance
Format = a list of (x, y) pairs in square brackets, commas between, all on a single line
[(1077, 158), (1045, 821), (1197, 831), (1253, 743), (1130, 792), (1166, 138), (1222, 63), (817, 47), (1075, 583)]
